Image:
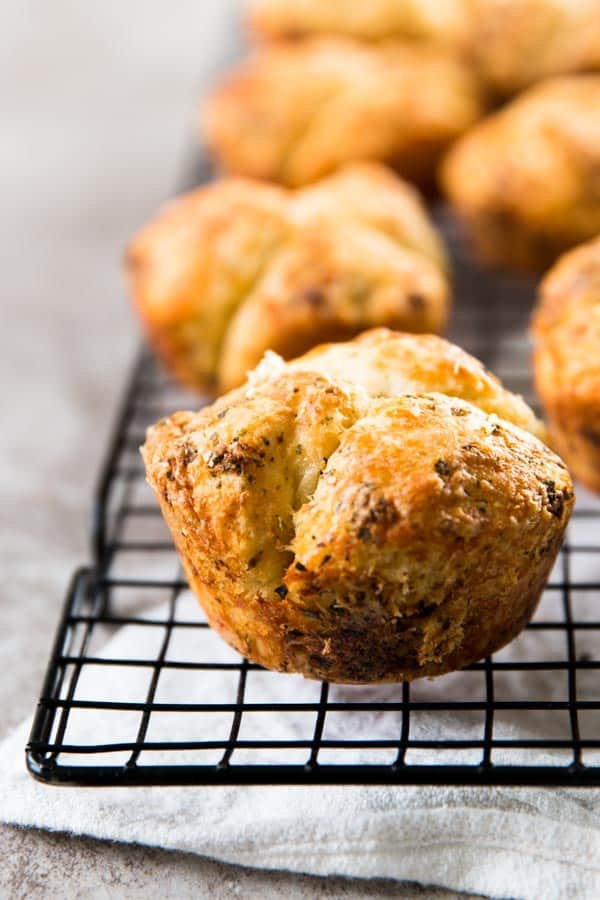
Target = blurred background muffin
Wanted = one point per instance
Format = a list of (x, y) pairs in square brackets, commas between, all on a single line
[(510, 43), (525, 180), (239, 267), (566, 330), (514, 43), (293, 113), (373, 20)]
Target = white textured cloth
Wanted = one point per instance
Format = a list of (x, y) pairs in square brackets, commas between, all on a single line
[(509, 842)]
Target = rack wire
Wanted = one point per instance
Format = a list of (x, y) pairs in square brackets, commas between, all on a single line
[(186, 709)]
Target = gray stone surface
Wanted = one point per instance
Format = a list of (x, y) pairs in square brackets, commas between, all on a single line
[(97, 102)]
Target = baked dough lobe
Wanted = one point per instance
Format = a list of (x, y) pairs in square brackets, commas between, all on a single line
[(363, 528)]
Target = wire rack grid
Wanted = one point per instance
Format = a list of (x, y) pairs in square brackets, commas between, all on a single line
[(185, 709)]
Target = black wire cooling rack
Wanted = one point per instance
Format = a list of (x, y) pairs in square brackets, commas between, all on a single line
[(182, 708)]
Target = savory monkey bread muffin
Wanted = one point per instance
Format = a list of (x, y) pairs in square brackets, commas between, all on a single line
[(525, 180), (515, 43), (566, 329), (509, 43), (378, 510), (238, 267), (293, 113)]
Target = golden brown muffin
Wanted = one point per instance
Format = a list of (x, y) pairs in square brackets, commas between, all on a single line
[(514, 43), (525, 181), (373, 20), (293, 113), (239, 267), (566, 327), (373, 511)]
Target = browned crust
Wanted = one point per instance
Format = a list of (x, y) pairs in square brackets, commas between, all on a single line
[(357, 535), (566, 328)]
